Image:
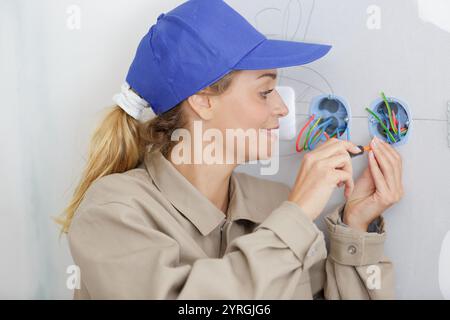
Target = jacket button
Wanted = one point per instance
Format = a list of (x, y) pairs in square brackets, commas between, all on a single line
[(351, 249)]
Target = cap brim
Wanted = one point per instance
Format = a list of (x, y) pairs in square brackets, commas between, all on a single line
[(272, 54)]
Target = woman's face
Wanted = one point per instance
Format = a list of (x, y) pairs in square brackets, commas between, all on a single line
[(250, 103)]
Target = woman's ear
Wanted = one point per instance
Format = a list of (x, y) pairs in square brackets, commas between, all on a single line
[(201, 105)]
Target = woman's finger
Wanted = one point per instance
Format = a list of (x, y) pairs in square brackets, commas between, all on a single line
[(346, 178), (394, 178), (384, 163), (335, 146), (342, 162), (396, 160), (378, 177), (339, 161)]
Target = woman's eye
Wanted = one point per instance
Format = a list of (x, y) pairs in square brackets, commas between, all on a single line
[(266, 93)]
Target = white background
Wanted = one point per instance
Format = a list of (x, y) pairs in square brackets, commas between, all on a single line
[(56, 80)]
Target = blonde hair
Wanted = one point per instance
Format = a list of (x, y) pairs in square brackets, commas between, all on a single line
[(120, 142)]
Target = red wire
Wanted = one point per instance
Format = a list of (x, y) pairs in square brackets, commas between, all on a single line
[(301, 133), (395, 121), (316, 134)]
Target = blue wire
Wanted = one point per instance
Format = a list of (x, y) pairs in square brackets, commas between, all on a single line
[(327, 122), (337, 133), (315, 130), (315, 142), (321, 137)]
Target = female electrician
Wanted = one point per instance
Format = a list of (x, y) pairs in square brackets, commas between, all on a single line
[(143, 224)]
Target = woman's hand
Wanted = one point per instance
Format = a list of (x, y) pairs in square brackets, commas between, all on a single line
[(320, 173), (378, 188)]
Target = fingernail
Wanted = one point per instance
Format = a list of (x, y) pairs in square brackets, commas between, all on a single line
[(374, 142), (371, 154), (356, 150)]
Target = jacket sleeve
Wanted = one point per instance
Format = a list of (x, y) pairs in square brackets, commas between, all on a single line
[(356, 267), (122, 256)]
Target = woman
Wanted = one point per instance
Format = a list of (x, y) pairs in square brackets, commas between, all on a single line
[(143, 224)]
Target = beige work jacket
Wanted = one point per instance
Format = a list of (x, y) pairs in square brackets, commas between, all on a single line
[(150, 234)]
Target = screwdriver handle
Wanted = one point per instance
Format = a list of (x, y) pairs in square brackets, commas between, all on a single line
[(352, 155)]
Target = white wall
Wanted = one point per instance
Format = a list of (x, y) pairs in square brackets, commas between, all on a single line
[(57, 80)]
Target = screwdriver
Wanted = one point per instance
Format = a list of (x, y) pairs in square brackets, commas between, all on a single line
[(362, 148)]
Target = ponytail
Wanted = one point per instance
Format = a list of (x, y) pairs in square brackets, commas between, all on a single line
[(115, 147), (120, 142)]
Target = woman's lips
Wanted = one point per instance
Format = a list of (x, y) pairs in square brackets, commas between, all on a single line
[(273, 132)]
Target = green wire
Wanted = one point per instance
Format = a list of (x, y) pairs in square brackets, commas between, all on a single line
[(389, 112), (317, 136), (382, 124), (309, 132)]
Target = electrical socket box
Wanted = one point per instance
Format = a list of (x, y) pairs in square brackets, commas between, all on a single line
[(334, 109), (403, 115)]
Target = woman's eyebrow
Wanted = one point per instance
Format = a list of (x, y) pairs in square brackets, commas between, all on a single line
[(271, 75)]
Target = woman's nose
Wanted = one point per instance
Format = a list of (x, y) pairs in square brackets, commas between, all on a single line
[(280, 108)]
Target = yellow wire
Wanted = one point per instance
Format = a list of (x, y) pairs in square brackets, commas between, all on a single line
[(309, 132)]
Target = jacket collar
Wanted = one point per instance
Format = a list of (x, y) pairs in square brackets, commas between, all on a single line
[(191, 202)]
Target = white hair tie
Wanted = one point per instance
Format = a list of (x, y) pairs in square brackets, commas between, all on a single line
[(131, 103)]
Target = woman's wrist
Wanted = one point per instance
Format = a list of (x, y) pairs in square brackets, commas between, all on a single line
[(352, 220)]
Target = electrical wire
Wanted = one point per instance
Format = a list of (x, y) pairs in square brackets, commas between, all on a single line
[(309, 133), (323, 125), (381, 123), (390, 122), (383, 96), (301, 133), (312, 143), (315, 132)]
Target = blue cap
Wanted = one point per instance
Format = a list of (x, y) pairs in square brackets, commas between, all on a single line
[(199, 42)]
